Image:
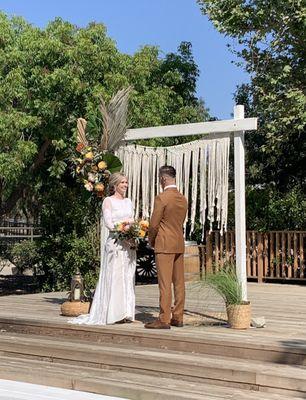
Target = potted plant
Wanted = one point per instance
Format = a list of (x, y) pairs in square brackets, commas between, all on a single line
[(225, 282)]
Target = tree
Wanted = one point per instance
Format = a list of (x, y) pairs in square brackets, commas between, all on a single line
[(50, 77), (270, 42)]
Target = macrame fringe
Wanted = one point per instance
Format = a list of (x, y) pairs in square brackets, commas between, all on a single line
[(202, 168)]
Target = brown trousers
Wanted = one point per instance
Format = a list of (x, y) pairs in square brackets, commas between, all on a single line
[(170, 269)]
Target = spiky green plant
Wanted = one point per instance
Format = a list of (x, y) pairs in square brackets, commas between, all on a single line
[(225, 282)]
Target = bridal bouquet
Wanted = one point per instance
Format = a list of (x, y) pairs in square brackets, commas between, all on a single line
[(131, 232)]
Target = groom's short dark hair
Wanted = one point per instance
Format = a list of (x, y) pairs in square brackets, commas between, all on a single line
[(167, 170)]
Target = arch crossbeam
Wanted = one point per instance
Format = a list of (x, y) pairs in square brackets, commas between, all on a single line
[(213, 128)]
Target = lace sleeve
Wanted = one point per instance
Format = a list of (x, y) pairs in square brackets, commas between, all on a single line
[(107, 213)]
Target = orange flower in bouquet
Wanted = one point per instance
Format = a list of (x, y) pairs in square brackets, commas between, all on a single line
[(142, 234), (144, 225)]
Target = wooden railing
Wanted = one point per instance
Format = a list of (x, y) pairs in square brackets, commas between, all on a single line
[(19, 232), (269, 256)]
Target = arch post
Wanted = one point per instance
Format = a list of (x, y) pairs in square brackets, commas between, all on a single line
[(240, 229)]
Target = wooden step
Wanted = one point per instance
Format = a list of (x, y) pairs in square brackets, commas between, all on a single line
[(196, 368), (177, 339), (123, 384)]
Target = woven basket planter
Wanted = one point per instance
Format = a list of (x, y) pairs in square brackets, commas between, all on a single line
[(239, 315), (74, 308)]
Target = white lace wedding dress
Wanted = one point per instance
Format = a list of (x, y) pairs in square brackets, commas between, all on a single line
[(114, 297)]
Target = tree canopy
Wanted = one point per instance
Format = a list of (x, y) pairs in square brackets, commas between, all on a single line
[(50, 77), (270, 45)]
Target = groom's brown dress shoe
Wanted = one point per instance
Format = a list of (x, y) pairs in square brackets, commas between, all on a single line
[(175, 322), (157, 324)]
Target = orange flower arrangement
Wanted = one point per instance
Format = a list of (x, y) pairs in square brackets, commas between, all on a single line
[(91, 170)]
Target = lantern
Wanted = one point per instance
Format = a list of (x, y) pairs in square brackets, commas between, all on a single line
[(77, 287)]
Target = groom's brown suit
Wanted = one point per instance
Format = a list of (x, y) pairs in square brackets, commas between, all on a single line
[(167, 238)]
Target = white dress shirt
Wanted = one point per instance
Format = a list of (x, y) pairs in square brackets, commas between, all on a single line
[(170, 186)]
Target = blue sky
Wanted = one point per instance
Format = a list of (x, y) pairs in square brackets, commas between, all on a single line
[(133, 23)]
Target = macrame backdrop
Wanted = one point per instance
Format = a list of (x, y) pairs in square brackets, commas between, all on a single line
[(202, 176)]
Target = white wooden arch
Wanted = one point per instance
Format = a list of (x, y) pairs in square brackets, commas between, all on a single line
[(233, 127)]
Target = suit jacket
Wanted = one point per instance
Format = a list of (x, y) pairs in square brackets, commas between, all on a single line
[(166, 225)]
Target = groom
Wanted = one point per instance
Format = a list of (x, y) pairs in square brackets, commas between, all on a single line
[(167, 238)]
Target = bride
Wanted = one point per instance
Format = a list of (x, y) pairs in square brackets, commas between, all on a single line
[(114, 299)]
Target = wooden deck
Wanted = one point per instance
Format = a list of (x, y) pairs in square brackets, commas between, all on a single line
[(204, 356), (283, 307)]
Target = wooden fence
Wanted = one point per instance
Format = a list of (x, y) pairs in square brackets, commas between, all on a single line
[(9, 235), (14, 223), (16, 233), (274, 255)]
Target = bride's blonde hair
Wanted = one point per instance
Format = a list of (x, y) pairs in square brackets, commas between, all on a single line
[(114, 181)]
